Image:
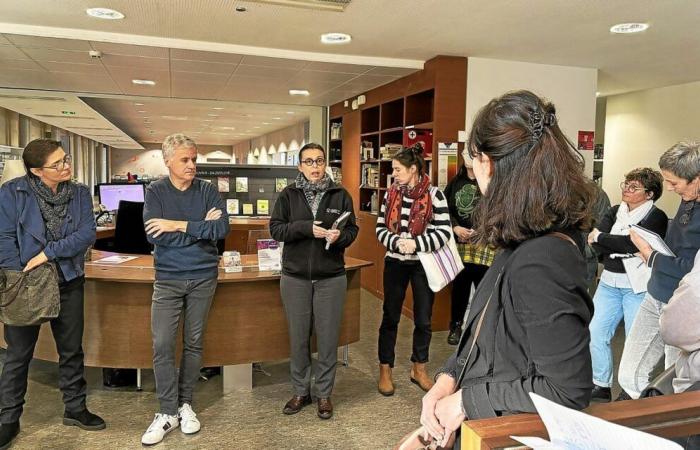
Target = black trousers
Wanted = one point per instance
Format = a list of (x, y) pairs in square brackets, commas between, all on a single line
[(67, 331), (397, 275), (472, 274)]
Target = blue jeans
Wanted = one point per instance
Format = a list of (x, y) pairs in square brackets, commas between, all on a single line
[(611, 304)]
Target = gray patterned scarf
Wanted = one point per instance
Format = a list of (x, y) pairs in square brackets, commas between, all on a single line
[(313, 191), (54, 207)]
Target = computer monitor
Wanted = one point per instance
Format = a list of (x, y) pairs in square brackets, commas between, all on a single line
[(110, 194)]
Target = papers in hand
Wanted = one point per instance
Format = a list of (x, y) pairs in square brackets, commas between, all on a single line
[(115, 259), (654, 240), (575, 430), (341, 218)]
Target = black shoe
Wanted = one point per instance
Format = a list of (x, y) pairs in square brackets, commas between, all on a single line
[(296, 404), (601, 394), (623, 396), (455, 334), (84, 419), (8, 432)]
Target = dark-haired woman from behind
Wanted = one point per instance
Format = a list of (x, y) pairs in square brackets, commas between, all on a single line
[(528, 325), (413, 218)]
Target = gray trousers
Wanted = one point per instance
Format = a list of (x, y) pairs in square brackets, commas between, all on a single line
[(171, 300), (317, 304), (644, 349)]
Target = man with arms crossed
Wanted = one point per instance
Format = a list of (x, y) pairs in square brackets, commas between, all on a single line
[(184, 217)]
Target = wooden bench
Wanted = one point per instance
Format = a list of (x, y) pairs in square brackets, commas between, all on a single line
[(669, 416)]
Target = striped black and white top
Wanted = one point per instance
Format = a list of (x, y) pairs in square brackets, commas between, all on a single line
[(435, 235)]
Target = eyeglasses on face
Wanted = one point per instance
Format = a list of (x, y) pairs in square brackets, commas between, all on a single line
[(310, 162), (631, 187), (60, 165)]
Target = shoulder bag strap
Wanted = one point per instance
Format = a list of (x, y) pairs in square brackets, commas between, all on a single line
[(560, 235)]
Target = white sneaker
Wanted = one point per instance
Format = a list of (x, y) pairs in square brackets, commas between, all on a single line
[(189, 424), (162, 424)]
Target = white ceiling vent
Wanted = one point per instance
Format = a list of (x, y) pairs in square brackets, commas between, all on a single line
[(43, 99), (321, 5), (55, 116)]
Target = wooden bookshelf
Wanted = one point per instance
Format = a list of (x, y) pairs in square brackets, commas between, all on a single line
[(431, 99)]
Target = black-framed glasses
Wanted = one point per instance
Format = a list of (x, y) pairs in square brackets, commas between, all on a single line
[(631, 187), (60, 165), (685, 217), (318, 161)]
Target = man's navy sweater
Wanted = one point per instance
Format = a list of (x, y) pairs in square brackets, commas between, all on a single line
[(191, 255)]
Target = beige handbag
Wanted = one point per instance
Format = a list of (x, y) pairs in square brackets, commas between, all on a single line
[(29, 298)]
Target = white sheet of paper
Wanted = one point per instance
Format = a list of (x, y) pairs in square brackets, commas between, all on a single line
[(638, 273), (537, 443), (654, 240), (114, 259), (576, 430)]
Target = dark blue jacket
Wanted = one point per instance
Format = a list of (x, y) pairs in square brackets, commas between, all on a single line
[(23, 233)]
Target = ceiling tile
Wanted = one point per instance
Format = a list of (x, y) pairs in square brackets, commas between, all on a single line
[(334, 67), (12, 52), (195, 55), (47, 42), (19, 64), (64, 56), (123, 77), (130, 50), (94, 69), (140, 62), (181, 65), (30, 79), (215, 78), (277, 73), (391, 71), (274, 62), (86, 82), (195, 89), (330, 77)]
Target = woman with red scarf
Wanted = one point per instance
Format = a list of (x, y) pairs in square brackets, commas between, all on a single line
[(414, 217)]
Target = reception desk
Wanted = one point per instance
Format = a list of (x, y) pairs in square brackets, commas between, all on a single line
[(246, 322)]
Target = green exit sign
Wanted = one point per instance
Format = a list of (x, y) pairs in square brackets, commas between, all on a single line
[(68, 113)]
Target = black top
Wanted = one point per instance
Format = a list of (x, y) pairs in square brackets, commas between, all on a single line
[(305, 256), (534, 337), (656, 221), (463, 196)]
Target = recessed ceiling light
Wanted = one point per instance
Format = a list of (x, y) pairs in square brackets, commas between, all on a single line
[(104, 13), (213, 115), (138, 104), (290, 112), (303, 92), (335, 38), (266, 123), (218, 108), (597, 94), (208, 120), (144, 82), (142, 111), (627, 28), (256, 127), (276, 118)]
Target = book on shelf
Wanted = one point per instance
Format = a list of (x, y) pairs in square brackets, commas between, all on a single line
[(367, 150), (336, 130), (388, 151), (337, 174), (370, 175)]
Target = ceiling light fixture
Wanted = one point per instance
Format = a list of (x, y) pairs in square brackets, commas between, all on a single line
[(303, 92), (144, 82), (335, 38), (218, 108), (276, 118), (213, 115), (290, 112), (597, 94), (266, 123), (138, 104), (241, 9), (104, 13), (628, 28)]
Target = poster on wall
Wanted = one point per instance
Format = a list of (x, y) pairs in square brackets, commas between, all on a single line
[(586, 140), (280, 184), (263, 207), (223, 184), (447, 162), (232, 206), (247, 209), (241, 184)]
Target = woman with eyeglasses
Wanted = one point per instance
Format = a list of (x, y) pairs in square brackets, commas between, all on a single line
[(644, 347), (623, 283), (463, 197), (313, 283), (45, 218), (414, 217)]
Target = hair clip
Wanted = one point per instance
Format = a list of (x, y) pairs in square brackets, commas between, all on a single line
[(536, 124), (549, 119)]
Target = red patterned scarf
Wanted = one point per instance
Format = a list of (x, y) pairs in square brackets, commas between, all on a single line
[(421, 209)]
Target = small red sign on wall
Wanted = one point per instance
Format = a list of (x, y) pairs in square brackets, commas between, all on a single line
[(586, 140)]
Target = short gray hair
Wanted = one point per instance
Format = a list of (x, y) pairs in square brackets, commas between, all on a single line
[(175, 141), (683, 160)]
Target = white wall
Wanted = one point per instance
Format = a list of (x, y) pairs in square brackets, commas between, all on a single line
[(641, 125), (571, 89)]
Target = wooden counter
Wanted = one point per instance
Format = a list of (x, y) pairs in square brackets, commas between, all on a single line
[(246, 322)]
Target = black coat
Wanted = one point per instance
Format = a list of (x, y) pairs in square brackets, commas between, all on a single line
[(534, 337), (305, 256)]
